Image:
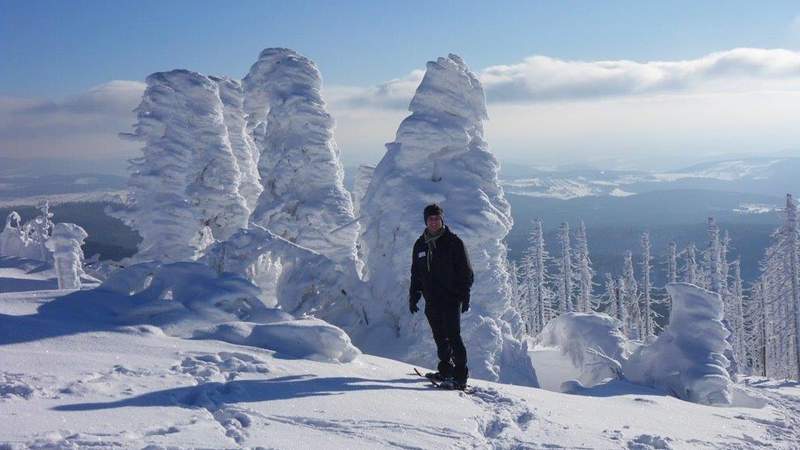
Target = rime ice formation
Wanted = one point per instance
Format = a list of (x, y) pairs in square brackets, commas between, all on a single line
[(65, 243), (439, 155), (363, 177), (27, 240), (687, 358), (244, 148), (593, 343), (304, 200), (298, 280), (184, 190)]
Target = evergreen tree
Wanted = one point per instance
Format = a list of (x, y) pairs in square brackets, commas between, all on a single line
[(630, 291), (780, 293), (672, 263), (565, 275), (535, 278), (690, 269), (648, 313), (585, 272)]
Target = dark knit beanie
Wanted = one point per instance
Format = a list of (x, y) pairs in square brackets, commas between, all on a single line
[(433, 210)]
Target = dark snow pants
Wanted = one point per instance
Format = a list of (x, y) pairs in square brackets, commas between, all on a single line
[(445, 322)]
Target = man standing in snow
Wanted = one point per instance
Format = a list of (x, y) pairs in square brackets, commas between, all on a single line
[(441, 272)]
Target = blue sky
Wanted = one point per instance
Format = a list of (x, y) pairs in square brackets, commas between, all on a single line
[(52, 48), (71, 71)]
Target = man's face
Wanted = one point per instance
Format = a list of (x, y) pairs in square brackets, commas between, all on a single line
[(434, 223)]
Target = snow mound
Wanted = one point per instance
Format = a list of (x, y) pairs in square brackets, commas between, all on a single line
[(191, 300), (593, 343), (687, 358)]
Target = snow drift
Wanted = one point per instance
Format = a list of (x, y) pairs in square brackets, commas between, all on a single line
[(191, 300)]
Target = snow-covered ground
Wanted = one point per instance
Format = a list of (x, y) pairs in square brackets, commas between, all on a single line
[(74, 384)]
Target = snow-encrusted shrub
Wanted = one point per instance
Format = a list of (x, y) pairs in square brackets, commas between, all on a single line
[(65, 243), (28, 240), (593, 342), (296, 279), (687, 358)]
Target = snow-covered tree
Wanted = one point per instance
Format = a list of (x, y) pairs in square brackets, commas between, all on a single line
[(584, 267), (736, 313), (535, 280), (630, 295), (610, 298), (27, 240), (690, 270), (439, 155), (65, 243), (622, 307), (672, 263), (244, 148), (712, 258), (565, 275), (304, 200), (780, 281), (648, 329), (184, 190)]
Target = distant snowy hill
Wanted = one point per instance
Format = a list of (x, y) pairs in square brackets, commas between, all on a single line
[(766, 176)]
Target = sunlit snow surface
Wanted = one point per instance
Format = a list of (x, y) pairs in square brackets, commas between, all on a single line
[(70, 384)]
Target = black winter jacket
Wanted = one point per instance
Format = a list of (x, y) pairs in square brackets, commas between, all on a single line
[(450, 277)]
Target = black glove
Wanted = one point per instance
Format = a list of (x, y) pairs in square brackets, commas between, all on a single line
[(412, 305), (464, 307)]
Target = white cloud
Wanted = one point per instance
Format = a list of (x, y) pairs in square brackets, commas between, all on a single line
[(559, 111), (541, 109), (82, 126)]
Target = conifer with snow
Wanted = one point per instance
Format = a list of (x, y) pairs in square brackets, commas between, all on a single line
[(780, 281), (630, 295), (184, 190), (672, 263), (65, 243), (304, 200), (584, 268), (690, 270), (565, 275), (648, 328), (439, 155), (535, 280)]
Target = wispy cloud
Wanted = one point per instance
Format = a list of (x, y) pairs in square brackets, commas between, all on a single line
[(85, 125), (544, 79)]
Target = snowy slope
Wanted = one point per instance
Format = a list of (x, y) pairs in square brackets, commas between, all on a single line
[(71, 385)]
